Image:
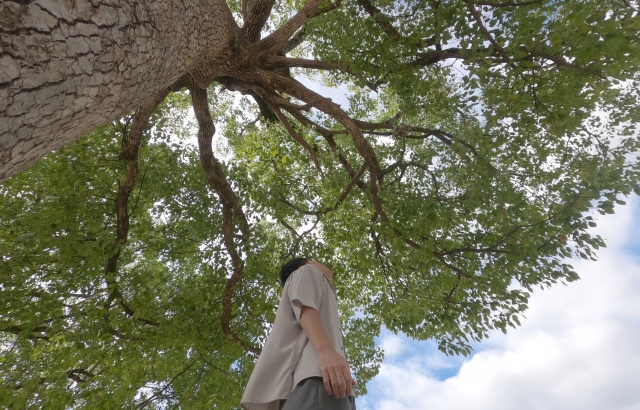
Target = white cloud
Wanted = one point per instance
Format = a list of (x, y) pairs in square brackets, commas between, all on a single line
[(392, 345), (578, 349)]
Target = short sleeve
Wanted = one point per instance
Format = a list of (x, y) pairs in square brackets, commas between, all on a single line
[(305, 289)]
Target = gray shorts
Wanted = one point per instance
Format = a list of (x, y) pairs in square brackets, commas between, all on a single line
[(310, 394)]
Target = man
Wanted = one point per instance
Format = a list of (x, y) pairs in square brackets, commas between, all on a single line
[(303, 364)]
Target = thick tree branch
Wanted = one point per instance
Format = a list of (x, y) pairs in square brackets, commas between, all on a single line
[(233, 84), (292, 87), (434, 56), (300, 36), (245, 7), (278, 61), (256, 17), (130, 147), (212, 167), (129, 154), (295, 41), (279, 38), (230, 206)]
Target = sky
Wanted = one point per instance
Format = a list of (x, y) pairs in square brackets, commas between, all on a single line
[(577, 349)]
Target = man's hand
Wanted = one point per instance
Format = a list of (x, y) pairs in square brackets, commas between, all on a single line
[(335, 370), (335, 373)]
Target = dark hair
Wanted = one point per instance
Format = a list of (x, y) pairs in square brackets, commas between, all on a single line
[(290, 267)]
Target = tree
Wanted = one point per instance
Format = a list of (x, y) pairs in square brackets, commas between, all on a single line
[(139, 271)]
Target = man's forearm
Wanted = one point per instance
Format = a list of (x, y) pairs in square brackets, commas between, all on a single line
[(334, 368), (311, 323)]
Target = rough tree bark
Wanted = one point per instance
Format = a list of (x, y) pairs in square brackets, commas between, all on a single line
[(69, 66)]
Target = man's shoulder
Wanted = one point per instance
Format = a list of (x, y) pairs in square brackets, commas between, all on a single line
[(304, 280)]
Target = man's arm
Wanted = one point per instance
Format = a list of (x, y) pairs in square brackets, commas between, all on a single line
[(335, 369)]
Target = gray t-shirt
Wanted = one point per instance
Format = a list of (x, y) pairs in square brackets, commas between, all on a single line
[(288, 357)]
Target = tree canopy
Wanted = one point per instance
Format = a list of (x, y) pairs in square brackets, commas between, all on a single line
[(139, 268)]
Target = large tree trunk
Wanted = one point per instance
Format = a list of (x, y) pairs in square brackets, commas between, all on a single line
[(69, 66)]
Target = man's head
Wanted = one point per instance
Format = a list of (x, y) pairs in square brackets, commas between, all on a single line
[(290, 267), (294, 264)]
